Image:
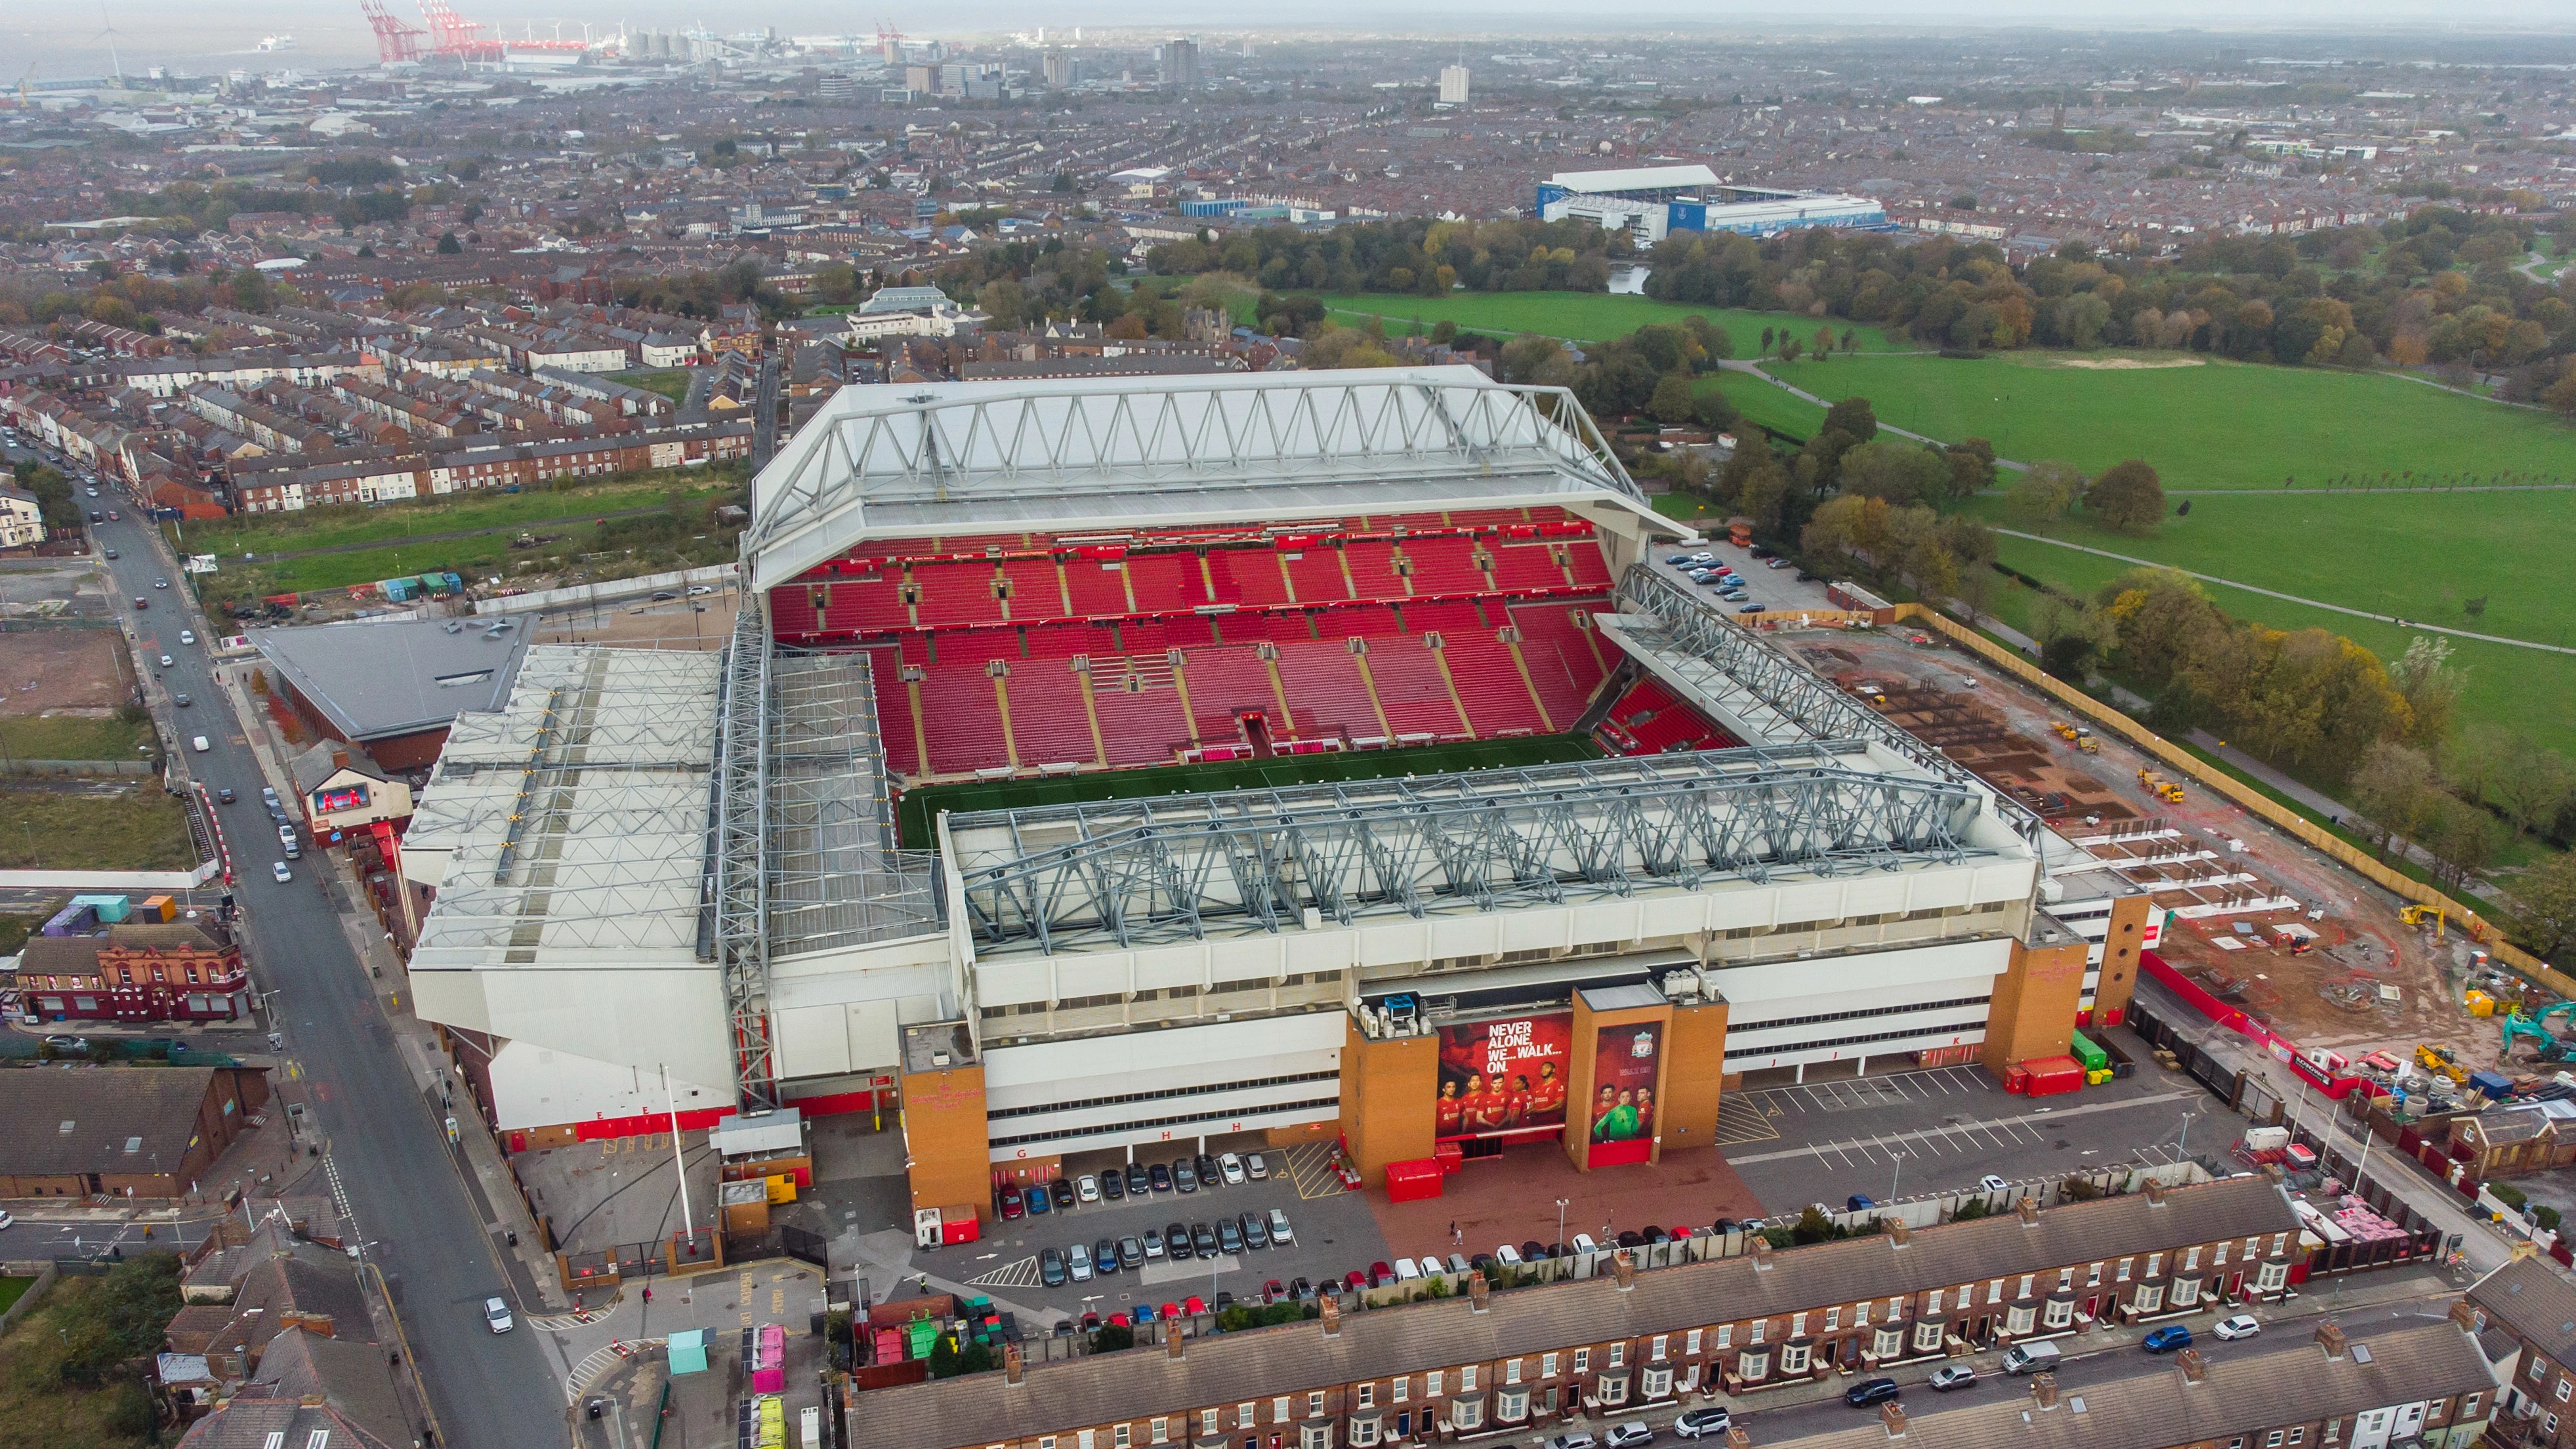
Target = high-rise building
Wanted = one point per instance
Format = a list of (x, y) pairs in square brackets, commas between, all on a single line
[(1181, 65), (1058, 69), (834, 86), (1453, 85)]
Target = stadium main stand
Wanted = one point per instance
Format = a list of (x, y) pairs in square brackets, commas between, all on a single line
[(1019, 653), (1647, 720)]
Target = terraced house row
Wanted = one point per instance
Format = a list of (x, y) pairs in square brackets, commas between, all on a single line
[(1625, 1340)]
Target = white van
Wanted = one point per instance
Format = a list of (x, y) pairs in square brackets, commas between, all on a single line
[(200, 744), (1583, 1243), (1405, 1271), (1508, 1256)]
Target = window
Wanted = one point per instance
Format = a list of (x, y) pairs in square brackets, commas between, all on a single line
[(2061, 1313), (1995, 1291), (1119, 1436), (1160, 1432), (1752, 1367), (2218, 1255), (1583, 1360), (1315, 1436), (2273, 1276), (2191, 1261), (2273, 1439), (2124, 1271), (2093, 1276), (2024, 1290), (1547, 1365), (1933, 1305), (1245, 1415), (1614, 1388), (1364, 1432), (1511, 1371), (1619, 1355), (1760, 1325), (2018, 1318), (1927, 1335), (2155, 1264), (1466, 1413), (2186, 1292), (1466, 1380), (2149, 1298), (1279, 1409), (1659, 1383), (1403, 1389), (1794, 1358), (1207, 1422), (1431, 1384), (1726, 1335), (1314, 1403), (2564, 1387), (2065, 1279), (1368, 1396), (1512, 1405), (2300, 1436), (1888, 1343), (2468, 1409), (1833, 1319), (1690, 1341), (1797, 1325), (1656, 1349)]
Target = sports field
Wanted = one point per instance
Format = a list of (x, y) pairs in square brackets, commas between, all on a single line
[(2204, 425), (919, 808), (1584, 317)]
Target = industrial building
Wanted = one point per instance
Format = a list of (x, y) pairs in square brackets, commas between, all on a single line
[(868, 856), (1650, 202)]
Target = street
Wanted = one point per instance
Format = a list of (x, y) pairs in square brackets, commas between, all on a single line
[(389, 1156)]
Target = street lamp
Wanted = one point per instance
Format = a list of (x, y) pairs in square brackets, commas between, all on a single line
[(2185, 1133), (1899, 1159), (1560, 1217)]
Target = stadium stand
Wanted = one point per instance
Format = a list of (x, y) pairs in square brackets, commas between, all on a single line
[(1647, 720), (1413, 691), (1327, 694), (1489, 683), (968, 735), (1050, 724), (1140, 713), (1315, 573)]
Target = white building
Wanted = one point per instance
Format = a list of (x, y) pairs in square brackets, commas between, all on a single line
[(1453, 85)]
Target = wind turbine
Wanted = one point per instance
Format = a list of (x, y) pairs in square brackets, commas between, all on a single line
[(108, 34)]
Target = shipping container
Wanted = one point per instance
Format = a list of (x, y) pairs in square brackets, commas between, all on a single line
[(1413, 1181), (2050, 1076), (110, 909), (160, 908), (959, 1225), (2093, 1057)]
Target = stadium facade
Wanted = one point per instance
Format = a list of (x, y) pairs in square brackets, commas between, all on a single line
[(1650, 202), (1472, 825)]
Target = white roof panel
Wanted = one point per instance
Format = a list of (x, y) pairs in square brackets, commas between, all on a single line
[(1636, 178)]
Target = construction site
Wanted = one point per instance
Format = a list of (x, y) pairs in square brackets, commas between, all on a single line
[(2261, 923)]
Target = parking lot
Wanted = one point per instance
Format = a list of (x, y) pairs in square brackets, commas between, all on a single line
[(1776, 590), (1333, 1233), (1911, 1133)]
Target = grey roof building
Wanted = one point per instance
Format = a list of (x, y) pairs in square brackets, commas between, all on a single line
[(396, 685)]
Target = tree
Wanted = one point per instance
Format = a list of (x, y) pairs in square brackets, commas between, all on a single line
[(2165, 621), (2071, 637), (1972, 466), (2546, 894), (2461, 838), (1763, 491), (448, 245), (2534, 788), (1853, 416), (2043, 492), (1895, 470), (1537, 360), (1715, 411), (1672, 403), (2395, 789), (2128, 496), (2423, 675), (1003, 300)]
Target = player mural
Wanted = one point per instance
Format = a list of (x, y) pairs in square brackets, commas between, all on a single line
[(1502, 1078), (1621, 1118)]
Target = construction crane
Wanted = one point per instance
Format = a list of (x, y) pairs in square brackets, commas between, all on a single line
[(455, 37), (889, 41), (396, 42)]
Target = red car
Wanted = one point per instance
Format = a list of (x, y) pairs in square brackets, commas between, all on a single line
[(1171, 1310), (1196, 1304), (1008, 1204), (1380, 1273), (1273, 1291), (1354, 1281)]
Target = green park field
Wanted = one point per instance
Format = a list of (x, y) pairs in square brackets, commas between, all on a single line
[(2206, 425), (921, 807), (1580, 316)]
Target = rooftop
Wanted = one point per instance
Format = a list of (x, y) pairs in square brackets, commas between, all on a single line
[(378, 678), (101, 1119), (1635, 178)]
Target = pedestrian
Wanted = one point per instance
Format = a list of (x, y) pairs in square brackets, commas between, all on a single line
[(648, 1295)]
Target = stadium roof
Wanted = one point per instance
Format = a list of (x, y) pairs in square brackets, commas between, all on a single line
[(573, 822), (1636, 178), (378, 678), (1092, 453), (1124, 873)]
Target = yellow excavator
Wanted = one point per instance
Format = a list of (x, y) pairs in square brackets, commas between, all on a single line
[(2157, 785), (2437, 1060)]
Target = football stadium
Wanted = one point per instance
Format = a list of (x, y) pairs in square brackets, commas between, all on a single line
[(1248, 759)]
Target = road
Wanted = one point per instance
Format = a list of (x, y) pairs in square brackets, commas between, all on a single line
[(389, 1156), (38, 1236)]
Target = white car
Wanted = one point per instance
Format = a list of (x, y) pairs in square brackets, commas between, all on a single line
[(6, 1220), (699, 591), (496, 1315), (1256, 1166), (1280, 1233), (1627, 1436), (1232, 1168), (1087, 1188), (165, 661), (1696, 1422), (187, 636), (1992, 1183), (2243, 1325), (277, 868)]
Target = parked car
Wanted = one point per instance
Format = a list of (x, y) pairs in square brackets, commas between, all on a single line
[(1154, 1244), (1279, 1232), (160, 583), (165, 661), (1203, 1240), (1627, 1436), (2243, 1325), (1755, 609), (1229, 1238), (1062, 1192), (1698, 1423), (1080, 1257), (181, 700), (1256, 1230), (1572, 1439), (1007, 1206), (1230, 1167), (187, 636), (663, 596), (1953, 1376), (1185, 1177), (1206, 1165), (2166, 1339), (278, 871), (1104, 1256), (1131, 1252), (1160, 1176), (1051, 1268), (1870, 1391), (496, 1315), (111, 553), (1859, 1202), (1256, 1167), (1087, 1188), (1194, 1305), (1301, 1287), (1113, 1185), (1176, 1241), (62, 1043), (1992, 1183), (1139, 1181), (1037, 1199)]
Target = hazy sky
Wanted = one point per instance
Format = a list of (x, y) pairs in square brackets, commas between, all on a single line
[(65, 39)]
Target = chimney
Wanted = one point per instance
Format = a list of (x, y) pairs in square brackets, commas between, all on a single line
[(1476, 1292), (1892, 1415), (2194, 1367), (2029, 1210), (1332, 1315), (2044, 1390), (2465, 1314), (1623, 1266), (2155, 1193), (1736, 1438), (339, 757), (1013, 1370), (1761, 1247), (1897, 1232), (2330, 1338)]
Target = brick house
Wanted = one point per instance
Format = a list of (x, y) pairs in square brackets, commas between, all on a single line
[(181, 971), (143, 1132), (2527, 1308)]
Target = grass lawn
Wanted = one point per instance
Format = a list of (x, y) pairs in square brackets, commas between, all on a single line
[(1765, 405), (2216, 425), (38, 1408), (672, 384), (29, 738), (1582, 316), (12, 1289), (920, 807), (136, 829), (2521, 690)]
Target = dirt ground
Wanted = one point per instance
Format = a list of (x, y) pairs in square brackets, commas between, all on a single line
[(2203, 858), (58, 671), (672, 625)]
